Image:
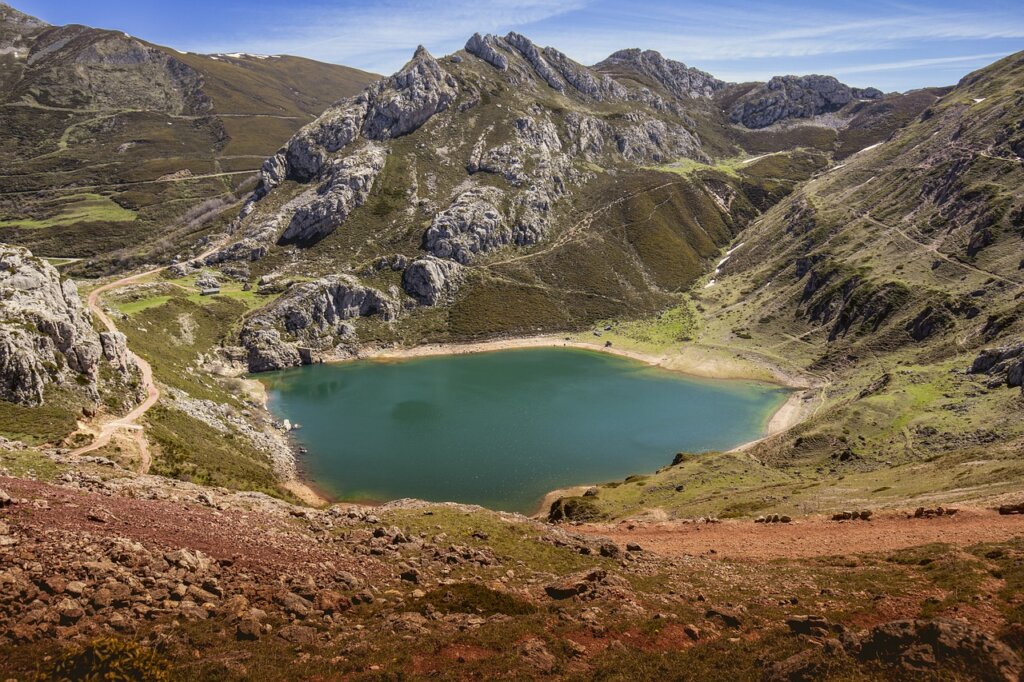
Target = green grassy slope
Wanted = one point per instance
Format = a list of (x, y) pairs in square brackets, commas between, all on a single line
[(153, 152), (881, 279)]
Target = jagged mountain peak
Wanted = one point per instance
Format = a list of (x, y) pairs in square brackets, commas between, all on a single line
[(650, 67), (11, 16)]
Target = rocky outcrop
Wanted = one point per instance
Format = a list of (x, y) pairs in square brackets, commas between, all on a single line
[(387, 109), (1004, 366), (310, 315), (472, 224), (919, 646), (788, 97), (640, 138), (405, 101), (46, 335), (676, 78), (431, 280), (306, 153), (267, 351), (532, 54), (348, 184), (596, 85), (485, 47)]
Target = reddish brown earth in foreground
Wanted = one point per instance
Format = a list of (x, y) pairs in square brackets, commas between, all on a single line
[(812, 536)]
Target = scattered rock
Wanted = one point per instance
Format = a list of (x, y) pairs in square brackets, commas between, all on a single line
[(730, 617), (917, 646)]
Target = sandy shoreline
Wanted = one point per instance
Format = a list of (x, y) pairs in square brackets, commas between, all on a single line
[(436, 349)]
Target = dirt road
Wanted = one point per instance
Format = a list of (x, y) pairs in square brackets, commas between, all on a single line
[(129, 420), (812, 536)]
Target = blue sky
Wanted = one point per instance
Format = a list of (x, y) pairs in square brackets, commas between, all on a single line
[(895, 45)]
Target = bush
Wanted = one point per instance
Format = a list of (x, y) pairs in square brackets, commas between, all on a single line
[(110, 660), (574, 509)]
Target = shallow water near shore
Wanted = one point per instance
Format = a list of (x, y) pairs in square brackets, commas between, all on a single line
[(503, 428)]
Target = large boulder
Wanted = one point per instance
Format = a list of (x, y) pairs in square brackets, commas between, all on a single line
[(431, 280), (1004, 365)]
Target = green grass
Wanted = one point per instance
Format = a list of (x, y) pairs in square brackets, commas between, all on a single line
[(29, 463), (48, 423), (669, 328), (510, 541), (137, 306), (191, 450), (74, 209)]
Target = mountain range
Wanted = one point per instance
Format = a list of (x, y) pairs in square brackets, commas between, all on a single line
[(226, 215)]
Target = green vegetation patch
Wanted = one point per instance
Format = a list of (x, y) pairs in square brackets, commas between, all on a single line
[(71, 210), (191, 450), (509, 540), (48, 423)]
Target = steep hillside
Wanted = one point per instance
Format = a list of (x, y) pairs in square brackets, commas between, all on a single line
[(110, 143), (504, 189), (894, 281)]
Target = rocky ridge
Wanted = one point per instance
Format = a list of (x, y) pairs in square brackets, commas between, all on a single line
[(795, 97), (676, 78)]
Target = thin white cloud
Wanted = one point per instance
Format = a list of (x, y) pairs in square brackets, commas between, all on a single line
[(736, 39), (919, 63), (382, 35)]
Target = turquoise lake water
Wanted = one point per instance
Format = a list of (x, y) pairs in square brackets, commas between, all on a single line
[(503, 428)]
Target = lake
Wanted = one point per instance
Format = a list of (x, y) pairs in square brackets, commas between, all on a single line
[(503, 428)]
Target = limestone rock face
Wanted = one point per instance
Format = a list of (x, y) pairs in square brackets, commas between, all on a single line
[(485, 48), (46, 334), (348, 184), (786, 97), (405, 101), (431, 280), (532, 54), (388, 108), (310, 315), (267, 351), (677, 78), (640, 138), (586, 81), (307, 151), (472, 224)]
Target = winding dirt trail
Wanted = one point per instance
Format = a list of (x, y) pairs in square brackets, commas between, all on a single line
[(152, 392), (129, 420)]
